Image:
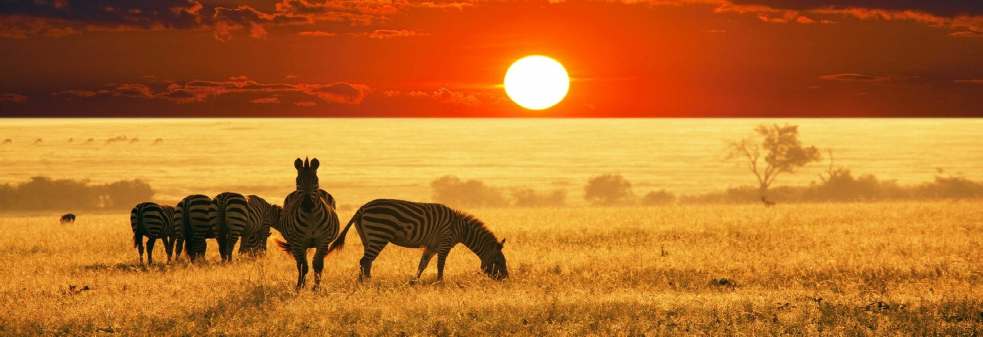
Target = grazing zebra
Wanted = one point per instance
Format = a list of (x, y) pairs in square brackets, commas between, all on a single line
[(150, 220), (308, 221), (67, 218), (195, 216), (262, 215), (434, 227), (232, 217)]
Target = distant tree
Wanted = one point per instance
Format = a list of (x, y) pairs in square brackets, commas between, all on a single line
[(776, 150), (608, 189)]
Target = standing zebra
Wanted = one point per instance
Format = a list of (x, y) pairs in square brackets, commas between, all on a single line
[(195, 215), (308, 221), (232, 217), (262, 215), (150, 220), (434, 227)]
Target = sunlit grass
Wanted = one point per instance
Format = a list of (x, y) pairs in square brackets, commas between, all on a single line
[(855, 269)]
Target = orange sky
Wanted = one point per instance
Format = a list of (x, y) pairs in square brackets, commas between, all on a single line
[(412, 58)]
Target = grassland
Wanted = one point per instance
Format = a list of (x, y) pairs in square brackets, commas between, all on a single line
[(895, 269)]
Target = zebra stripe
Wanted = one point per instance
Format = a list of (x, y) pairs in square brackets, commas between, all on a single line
[(308, 221), (232, 215), (435, 227), (150, 220), (196, 216), (262, 215)]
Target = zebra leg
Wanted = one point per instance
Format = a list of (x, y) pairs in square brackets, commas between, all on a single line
[(150, 250), (178, 247), (221, 246), (424, 261), (139, 241), (318, 262), (370, 252), (197, 248), (301, 256), (230, 244), (442, 251), (168, 248)]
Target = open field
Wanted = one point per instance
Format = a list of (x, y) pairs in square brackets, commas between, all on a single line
[(841, 269)]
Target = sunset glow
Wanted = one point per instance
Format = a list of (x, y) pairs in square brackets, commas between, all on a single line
[(537, 82)]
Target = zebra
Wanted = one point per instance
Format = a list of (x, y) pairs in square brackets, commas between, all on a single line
[(148, 219), (67, 218), (262, 215), (308, 220), (173, 232), (434, 227), (195, 216), (232, 216)]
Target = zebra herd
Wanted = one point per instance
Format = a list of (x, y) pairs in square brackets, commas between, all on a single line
[(308, 220)]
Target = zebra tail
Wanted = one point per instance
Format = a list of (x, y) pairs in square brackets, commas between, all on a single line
[(339, 243), (186, 225)]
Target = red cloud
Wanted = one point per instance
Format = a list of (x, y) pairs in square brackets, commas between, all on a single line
[(8, 97), (194, 91)]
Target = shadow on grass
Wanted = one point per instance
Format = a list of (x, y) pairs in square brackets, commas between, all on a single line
[(131, 267)]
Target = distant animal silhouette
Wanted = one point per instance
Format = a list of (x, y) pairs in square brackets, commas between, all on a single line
[(67, 218), (38, 141), (309, 221), (116, 139), (434, 227), (8, 141), (262, 216), (232, 218), (90, 140), (158, 141), (71, 140), (768, 203), (195, 216), (134, 140), (150, 220)]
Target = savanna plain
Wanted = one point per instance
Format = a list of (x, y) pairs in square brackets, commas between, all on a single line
[(906, 268), (902, 258)]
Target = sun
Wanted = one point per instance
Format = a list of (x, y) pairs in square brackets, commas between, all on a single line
[(537, 82)]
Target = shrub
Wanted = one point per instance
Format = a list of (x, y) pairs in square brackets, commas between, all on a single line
[(452, 190), (608, 189)]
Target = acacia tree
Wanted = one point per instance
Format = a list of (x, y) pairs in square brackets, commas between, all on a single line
[(776, 149)]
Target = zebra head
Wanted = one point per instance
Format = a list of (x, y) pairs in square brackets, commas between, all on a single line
[(494, 264), (307, 181)]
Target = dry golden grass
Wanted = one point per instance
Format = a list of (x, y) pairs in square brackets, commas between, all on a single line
[(845, 269)]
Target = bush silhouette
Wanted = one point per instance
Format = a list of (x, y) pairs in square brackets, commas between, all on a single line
[(43, 193), (452, 190), (660, 197), (608, 189)]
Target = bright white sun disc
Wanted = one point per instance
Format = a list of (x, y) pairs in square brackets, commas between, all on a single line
[(537, 82)]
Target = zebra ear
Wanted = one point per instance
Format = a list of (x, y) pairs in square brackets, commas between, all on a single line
[(315, 163), (501, 244), (298, 164)]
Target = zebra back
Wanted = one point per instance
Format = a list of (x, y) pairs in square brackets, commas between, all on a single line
[(149, 219), (232, 213), (196, 217)]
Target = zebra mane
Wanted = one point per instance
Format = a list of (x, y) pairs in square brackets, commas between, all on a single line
[(477, 223)]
